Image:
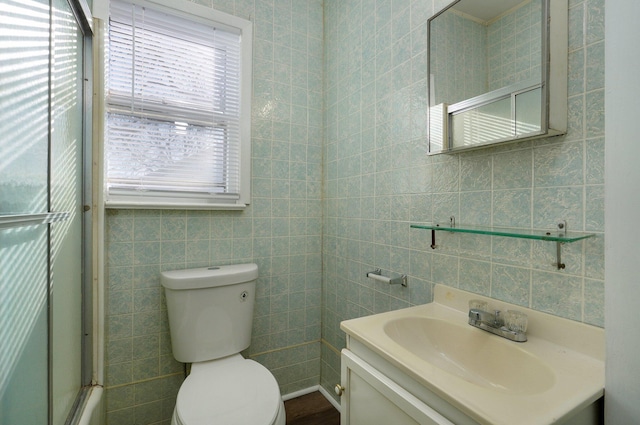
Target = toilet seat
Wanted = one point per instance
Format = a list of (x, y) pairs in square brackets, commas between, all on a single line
[(230, 391)]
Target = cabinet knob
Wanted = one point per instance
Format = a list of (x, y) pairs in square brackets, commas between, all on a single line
[(339, 389)]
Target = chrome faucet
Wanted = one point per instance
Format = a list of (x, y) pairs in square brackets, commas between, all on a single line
[(493, 322)]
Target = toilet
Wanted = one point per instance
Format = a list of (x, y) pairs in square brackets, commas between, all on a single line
[(210, 318)]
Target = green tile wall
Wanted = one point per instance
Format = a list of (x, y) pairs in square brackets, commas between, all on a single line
[(280, 231), (378, 179), (463, 76), (513, 50), (339, 172)]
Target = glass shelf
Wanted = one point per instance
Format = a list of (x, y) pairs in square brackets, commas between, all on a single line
[(541, 235), (559, 236)]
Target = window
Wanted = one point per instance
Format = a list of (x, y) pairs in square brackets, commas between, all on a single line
[(178, 108)]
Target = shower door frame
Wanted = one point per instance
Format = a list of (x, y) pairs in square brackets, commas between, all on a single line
[(84, 18)]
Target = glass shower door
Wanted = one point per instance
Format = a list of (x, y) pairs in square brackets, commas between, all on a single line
[(66, 196), (24, 252), (41, 211)]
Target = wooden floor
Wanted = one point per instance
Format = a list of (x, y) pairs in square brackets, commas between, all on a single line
[(311, 409)]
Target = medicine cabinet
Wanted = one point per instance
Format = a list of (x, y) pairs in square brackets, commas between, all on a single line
[(497, 73)]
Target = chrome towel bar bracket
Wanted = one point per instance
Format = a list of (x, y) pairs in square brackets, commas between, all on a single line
[(377, 275)]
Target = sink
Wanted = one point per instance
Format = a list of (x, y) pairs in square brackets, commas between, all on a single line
[(472, 354), (556, 376)]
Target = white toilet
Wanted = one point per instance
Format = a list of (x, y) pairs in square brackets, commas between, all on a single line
[(210, 318)]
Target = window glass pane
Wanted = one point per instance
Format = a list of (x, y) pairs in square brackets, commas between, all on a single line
[(171, 156), (173, 101)]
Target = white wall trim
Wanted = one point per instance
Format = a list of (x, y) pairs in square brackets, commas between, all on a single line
[(93, 411), (300, 393), (310, 390), (622, 208), (98, 206), (328, 396)]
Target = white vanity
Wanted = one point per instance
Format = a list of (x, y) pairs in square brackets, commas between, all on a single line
[(426, 365)]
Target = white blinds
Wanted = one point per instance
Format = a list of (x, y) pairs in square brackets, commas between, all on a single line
[(173, 106)]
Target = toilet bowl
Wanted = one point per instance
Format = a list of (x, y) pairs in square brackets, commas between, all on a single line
[(210, 316), (230, 391)]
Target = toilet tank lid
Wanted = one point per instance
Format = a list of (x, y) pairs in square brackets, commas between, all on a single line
[(209, 277)]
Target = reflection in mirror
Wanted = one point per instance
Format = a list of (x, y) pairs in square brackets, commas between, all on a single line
[(478, 46), (488, 73), (482, 124)]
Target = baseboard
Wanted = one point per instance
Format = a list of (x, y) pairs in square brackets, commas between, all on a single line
[(300, 393), (328, 396), (310, 390)]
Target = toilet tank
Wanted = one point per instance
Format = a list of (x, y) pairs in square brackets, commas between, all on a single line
[(210, 310)]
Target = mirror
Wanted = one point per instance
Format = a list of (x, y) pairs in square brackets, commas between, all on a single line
[(498, 71)]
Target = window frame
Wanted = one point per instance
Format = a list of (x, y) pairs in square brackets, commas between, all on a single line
[(207, 16)]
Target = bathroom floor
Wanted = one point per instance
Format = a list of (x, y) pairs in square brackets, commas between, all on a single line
[(311, 409)]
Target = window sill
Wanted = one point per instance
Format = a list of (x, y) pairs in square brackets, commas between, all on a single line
[(173, 206)]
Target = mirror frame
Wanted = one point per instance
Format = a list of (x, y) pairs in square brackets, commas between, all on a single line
[(554, 64)]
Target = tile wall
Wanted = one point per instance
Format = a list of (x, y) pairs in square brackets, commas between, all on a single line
[(494, 54), (335, 188), (378, 179), (280, 231), (458, 77), (513, 43)]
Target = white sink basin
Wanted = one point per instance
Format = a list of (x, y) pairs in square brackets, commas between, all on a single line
[(477, 357), (557, 373)]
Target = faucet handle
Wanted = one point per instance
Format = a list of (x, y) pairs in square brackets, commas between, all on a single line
[(474, 315), (497, 314), (516, 321)]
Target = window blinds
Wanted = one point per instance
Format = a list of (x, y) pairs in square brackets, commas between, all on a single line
[(173, 106)]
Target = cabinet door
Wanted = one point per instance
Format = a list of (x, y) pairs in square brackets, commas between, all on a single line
[(371, 398)]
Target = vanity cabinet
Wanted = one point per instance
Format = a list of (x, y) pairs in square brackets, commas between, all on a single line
[(370, 397), (375, 392)]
